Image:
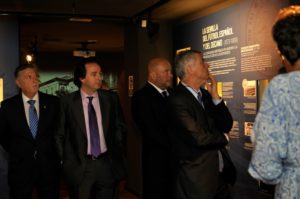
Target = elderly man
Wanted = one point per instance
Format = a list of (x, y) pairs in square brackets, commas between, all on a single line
[(199, 121), (28, 121)]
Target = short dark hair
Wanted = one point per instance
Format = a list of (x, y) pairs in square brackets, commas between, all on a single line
[(80, 70), (286, 33), (23, 67)]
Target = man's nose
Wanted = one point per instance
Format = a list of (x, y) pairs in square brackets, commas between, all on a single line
[(36, 80)]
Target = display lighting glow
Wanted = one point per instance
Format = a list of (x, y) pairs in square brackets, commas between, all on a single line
[(144, 23), (1, 89)]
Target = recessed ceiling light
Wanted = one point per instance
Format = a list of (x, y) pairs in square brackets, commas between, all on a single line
[(81, 19)]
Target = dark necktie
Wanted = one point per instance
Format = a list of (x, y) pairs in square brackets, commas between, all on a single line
[(164, 94), (94, 131), (199, 97), (33, 118)]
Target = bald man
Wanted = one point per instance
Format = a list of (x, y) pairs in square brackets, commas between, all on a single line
[(149, 113)]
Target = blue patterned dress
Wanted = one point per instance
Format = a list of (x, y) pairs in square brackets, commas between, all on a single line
[(276, 155)]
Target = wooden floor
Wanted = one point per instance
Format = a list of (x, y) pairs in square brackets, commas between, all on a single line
[(123, 192), (123, 195), (127, 195)]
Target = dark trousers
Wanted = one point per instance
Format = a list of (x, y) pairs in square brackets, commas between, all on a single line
[(46, 184), (98, 182), (157, 176), (225, 190)]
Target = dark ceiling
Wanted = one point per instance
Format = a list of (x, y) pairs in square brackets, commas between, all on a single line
[(47, 22)]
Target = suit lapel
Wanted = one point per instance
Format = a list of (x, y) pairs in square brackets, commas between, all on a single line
[(151, 89), (78, 111), (190, 95), (21, 116), (43, 114), (205, 97), (104, 110)]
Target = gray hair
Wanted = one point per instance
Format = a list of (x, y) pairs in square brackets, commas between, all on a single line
[(184, 59)]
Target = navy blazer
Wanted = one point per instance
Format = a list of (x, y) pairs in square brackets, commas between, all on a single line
[(17, 139)]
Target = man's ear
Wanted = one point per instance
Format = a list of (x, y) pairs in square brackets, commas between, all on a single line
[(152, 75), (81, 79), (17, 83), (189, 69)]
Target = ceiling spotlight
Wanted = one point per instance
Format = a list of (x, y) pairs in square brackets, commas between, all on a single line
[(29, 58)]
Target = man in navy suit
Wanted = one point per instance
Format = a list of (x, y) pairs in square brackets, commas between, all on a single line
[(33, 162), (149, 113), (199, 123)]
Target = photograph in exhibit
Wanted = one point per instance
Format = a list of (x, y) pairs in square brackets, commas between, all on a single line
[(262, 85), (248, 126), (249, 88)]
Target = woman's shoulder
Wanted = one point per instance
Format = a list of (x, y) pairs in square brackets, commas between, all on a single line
[(286, 82), (283, 87)]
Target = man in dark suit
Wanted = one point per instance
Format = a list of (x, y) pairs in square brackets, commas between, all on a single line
[(28, 122), (149, 113), (199, 122), (91, 135)]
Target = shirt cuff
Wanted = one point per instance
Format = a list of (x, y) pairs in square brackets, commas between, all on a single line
[(217, 101)]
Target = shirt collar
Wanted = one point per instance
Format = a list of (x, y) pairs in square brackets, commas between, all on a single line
[(158, 89), (193, 91), (26, 99), (84, 95)]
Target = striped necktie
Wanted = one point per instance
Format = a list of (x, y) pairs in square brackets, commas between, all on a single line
[(199, 97)]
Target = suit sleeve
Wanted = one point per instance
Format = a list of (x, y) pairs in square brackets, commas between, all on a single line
[(220, 113), (3, 126), (60, 132), (193, 129), (120, 123)]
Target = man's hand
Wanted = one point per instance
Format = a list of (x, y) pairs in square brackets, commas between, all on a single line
[(211, 85)]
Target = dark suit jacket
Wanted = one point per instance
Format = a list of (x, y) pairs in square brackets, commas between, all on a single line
[(197, 135), (17, 140), (149, 113), (71, 140)]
